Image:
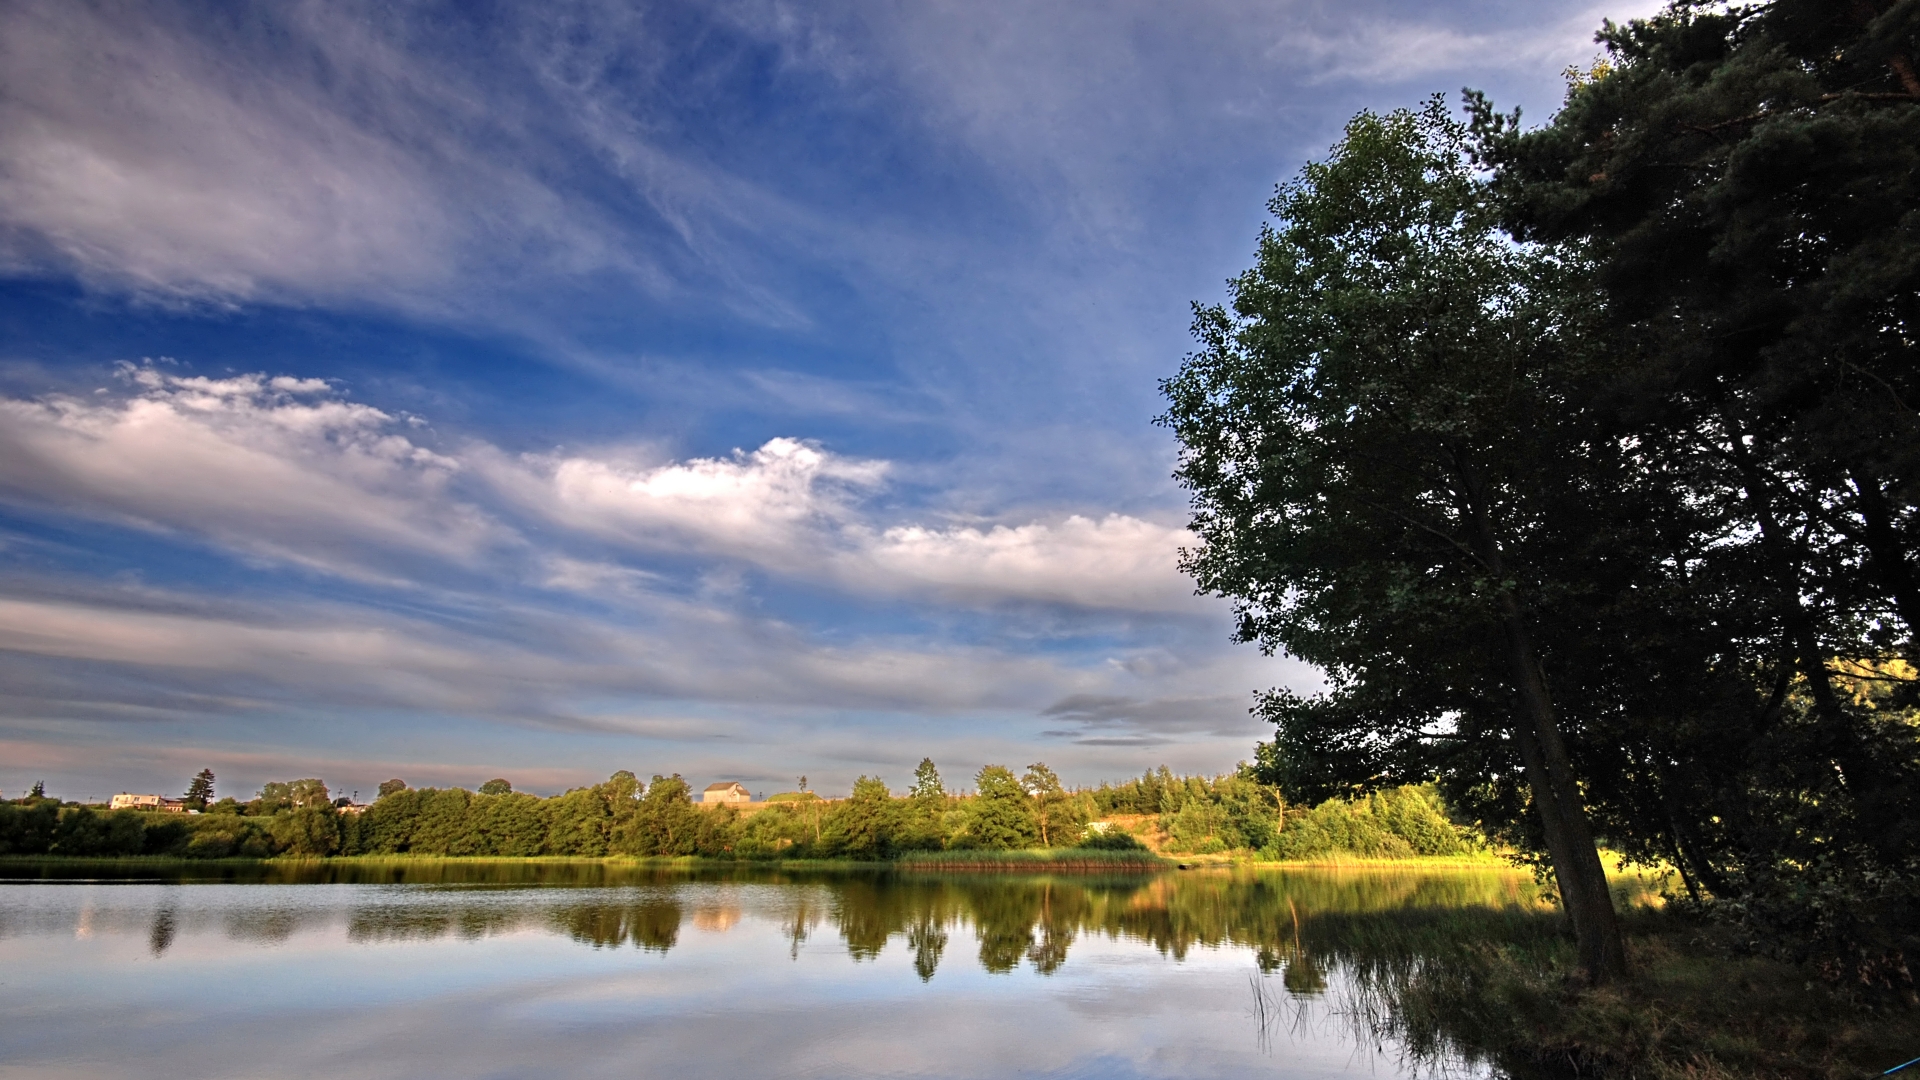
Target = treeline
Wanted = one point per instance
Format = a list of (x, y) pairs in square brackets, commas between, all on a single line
[(626, 817), (1235, 812)]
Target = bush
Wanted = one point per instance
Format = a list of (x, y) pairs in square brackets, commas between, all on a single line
[(1111, 840)]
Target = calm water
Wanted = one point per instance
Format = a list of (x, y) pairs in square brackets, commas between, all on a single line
[(588, 971)]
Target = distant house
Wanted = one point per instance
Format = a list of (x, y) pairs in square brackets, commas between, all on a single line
[(733, 791), (127, 801)]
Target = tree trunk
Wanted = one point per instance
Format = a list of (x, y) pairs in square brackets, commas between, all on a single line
[(1577, 869), (1888, 556)]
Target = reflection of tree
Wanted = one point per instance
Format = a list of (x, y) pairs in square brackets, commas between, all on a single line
[(1047, 954), (654, 926), (1304, 977), (928, 939), (865, 920), (267, 927), (160, 937)]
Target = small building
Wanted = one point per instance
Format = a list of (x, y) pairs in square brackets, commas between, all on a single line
[(128, 801), (733, 791)]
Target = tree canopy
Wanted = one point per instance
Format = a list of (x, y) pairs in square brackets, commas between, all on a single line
[(1582, 459)]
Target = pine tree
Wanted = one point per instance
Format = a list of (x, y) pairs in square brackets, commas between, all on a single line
[(199, 790)]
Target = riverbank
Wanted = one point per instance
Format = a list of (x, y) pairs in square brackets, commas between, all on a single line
[(963, 859), (1697, 1004)]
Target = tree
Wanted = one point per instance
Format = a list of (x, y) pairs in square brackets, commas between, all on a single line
[(1387, 469), (864, 825), (1054, 811), (38, 791), (307, 830), (496, 786), (1746, 182), (295, 794), (926, 782), (390, 787), (199, 790), (1000, 815)]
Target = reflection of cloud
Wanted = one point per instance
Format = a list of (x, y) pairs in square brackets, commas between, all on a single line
[(716, 920)]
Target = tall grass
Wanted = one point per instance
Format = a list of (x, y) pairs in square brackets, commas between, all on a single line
[(1030, 859)]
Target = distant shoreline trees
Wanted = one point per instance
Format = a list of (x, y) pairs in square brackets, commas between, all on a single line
[(1230, 814)]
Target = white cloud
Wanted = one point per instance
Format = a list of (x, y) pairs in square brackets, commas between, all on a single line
[(794, 508), (771, 505), (1115, 562), (286, 469), (1391, 48), (277, 468), (139, 159)]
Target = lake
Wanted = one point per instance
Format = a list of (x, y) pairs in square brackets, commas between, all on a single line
[(560, 970)]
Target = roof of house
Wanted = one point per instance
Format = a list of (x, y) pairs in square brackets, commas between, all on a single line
[(728, 784)]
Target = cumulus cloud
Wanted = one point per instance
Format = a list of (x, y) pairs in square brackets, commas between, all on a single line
[(280, 468), (795, 508), (771, 505), (1116, 562)]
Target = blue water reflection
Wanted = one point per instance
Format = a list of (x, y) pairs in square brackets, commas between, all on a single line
[(654, 974)]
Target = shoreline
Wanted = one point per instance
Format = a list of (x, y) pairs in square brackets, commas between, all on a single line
[(953, 861)]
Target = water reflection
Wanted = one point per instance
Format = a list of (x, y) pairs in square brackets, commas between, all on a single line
[(654, 927), (1073, 975), (160, 938), (1284, 918)]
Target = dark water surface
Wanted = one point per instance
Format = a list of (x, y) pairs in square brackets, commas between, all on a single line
[(560, 970)]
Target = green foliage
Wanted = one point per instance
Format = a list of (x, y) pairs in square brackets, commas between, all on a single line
[(306, 830), (1396, 823), (1060, 817), (199, 790), (865, 824), (295, 794), (926, 781), (1745, 182), (496, 786), (1201, 815), (1001, 813), (27, 828), (1111, 840), (389, 787)]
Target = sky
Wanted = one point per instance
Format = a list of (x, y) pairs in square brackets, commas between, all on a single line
[(741, 389)]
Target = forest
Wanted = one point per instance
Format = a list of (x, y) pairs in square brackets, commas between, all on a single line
[(1232, 814)]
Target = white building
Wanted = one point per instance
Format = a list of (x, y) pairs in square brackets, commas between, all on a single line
[(733, 791), (127, 801)]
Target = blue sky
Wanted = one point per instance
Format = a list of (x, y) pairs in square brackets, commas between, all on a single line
[(740, 389)]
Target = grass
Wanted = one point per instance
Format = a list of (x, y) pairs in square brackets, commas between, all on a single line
[(1032, 859), (1695, 1006)]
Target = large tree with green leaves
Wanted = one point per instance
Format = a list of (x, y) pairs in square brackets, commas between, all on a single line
[(1388, 479), (1746, 182)]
